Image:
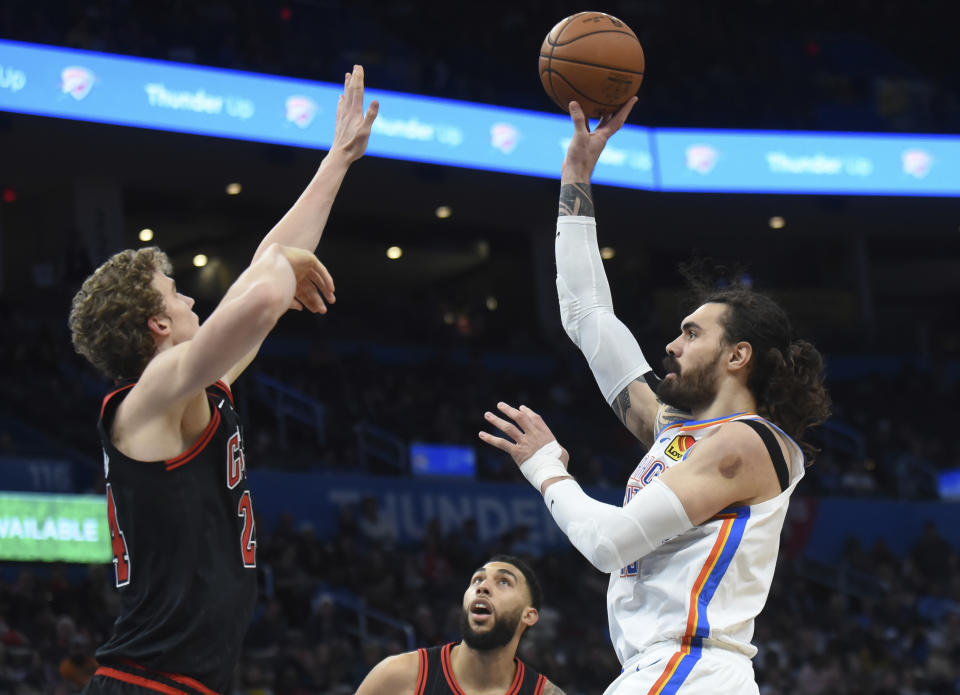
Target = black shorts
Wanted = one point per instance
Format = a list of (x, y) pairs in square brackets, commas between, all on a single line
[(135, 680)]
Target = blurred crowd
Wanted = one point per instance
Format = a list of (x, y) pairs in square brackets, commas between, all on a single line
[(871, 623), (882, 65), (884, 440)]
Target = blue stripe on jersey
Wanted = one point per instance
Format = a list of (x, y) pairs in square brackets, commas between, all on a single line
[(723, 562)]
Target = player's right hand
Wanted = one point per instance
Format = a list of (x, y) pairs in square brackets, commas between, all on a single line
[(585, 147), (314, 282), (352, 130)]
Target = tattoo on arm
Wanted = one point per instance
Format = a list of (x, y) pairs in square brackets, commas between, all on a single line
[(622, 404), (576, 199), (551, 689)]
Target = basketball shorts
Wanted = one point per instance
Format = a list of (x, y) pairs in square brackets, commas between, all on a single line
[(669, 670)]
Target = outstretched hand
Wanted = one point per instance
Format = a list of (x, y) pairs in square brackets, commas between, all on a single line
[(585, 147), (352, 130), (527, 436), (314, 282)]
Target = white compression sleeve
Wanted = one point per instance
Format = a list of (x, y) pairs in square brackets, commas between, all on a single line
[(586, 308), (612, 537)]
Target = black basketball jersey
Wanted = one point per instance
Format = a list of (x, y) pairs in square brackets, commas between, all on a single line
[(184, 552), (436, 675)]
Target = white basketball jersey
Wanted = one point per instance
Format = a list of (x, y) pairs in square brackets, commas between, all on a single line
[(705, 586)]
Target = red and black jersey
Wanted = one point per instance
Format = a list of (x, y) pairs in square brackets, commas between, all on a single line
[(436, 675), (184, 551)]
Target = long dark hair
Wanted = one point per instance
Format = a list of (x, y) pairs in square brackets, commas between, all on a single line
[(787, 376)]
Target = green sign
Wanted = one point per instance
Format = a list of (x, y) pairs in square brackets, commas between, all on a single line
[(54, 528)]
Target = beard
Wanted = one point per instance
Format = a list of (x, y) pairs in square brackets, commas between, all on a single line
[(503, 630), (694, 389)]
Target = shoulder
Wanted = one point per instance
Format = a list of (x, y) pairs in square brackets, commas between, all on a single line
[(395, 674), (731, 449)]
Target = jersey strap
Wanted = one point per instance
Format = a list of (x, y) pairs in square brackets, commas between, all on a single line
[(773, 448)]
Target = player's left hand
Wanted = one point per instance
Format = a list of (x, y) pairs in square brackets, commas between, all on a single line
[(527, 436), (352, 130), (314, 282)]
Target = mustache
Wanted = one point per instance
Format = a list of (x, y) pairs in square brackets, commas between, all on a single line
[(671, 364)]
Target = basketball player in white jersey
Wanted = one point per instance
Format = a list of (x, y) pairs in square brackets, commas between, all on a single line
[(692, 551)]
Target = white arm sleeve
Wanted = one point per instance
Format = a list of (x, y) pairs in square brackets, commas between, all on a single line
[(586, 308), (612, 537)]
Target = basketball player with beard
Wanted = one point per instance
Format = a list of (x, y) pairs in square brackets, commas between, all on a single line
[(501, 603), (692, 551)]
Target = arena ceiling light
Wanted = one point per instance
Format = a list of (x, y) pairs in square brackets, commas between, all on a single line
[(200, 260), (394, 252), (777, 222), (146, 235)]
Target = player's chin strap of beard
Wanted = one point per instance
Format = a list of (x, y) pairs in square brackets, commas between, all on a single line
[(609, 537), (586, 310)]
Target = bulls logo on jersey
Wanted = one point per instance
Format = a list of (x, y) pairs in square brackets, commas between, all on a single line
[(677, 449)]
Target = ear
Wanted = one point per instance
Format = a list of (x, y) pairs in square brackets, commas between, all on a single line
[(531, 616), (159, 326), (740, 356)]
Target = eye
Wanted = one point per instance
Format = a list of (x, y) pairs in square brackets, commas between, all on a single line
[(477, 579), (691, 333)]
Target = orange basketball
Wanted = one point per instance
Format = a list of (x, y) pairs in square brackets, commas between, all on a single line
[(592, 58)]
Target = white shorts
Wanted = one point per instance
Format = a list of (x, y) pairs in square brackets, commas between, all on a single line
[(670, 670)]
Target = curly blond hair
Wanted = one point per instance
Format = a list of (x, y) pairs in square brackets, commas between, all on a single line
[(108, 316)]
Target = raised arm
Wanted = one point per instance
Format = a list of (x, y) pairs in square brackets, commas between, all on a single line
[(238, 325), (586, 303), (303, 224)]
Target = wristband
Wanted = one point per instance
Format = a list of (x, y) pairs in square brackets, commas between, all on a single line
[(544, 464)]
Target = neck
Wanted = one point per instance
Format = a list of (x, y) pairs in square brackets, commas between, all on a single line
[(731, 398), (482, 670)]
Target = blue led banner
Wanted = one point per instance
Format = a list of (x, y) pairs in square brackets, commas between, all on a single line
[(791, 162), (98, 87)]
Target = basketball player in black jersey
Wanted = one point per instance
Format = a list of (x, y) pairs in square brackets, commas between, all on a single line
[(501, 603), (181, 517)]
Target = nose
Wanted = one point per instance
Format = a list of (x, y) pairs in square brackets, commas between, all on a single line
[(672, 347), (188, 300)]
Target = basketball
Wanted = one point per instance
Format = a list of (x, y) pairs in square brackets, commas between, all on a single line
[(592, 58)]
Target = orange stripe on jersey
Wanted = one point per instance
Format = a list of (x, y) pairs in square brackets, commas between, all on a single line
[(198, 445), (186, 680), (671, 668), (110, 395), (448, 670), (541, 684), (693, 425), (517, 678), (138, 680), (422, 673), (708, 566)]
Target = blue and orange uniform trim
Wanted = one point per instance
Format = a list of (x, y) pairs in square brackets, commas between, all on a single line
[(700, 424), (733, 522)]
